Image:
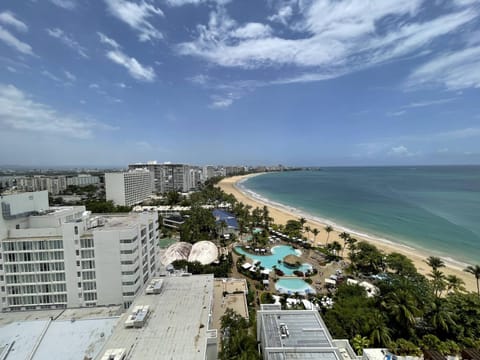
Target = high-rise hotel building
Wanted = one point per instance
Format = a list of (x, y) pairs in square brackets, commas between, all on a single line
[(65, 257), (129, 188)]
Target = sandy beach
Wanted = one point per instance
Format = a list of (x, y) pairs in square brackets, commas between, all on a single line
[(282, 215)]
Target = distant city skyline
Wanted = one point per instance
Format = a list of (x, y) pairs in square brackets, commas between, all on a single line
[(292, 82)]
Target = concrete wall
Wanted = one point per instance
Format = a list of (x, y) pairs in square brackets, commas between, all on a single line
[(108, 272), (115, 188)]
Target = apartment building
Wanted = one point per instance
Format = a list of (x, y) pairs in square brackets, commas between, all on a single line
[(129, 188), (169, 177), (157, 171), (83, 180), (57, 257), (53, 184)]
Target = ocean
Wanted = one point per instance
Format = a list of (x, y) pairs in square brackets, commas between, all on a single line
[(432, 208)]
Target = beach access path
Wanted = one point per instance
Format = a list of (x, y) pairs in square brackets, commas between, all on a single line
[(281, 216)]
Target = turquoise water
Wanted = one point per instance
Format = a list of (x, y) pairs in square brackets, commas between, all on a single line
[(278, 253), (288, 285), (436, 208)]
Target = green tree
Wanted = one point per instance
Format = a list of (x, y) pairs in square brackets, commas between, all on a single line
[(400, 264), (435, 262), (402, 307), (454, 283), (380, 334), (438, 281), (328, 229), (360, 342), (475, 271), (315, 233)]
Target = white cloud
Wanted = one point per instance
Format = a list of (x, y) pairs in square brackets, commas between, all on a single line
[(109, 41), (137, 15), (65, 4), (67, 40), (425, 103), (94, 86), (397, 113), (50, 76), (9, 39), (283, 15), (252, 31), (8, 18), (19, 112), (70, 76), (333, 37), (454, 71), (221, 103), (135, 69), (195, 2), (399, 151)]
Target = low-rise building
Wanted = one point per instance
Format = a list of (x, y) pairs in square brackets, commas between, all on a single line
[(297, 334), (175, 323)]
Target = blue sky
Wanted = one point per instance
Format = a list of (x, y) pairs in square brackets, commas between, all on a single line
[(297, 82)]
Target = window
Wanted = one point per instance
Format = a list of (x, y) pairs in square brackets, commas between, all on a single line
[(76, 230)]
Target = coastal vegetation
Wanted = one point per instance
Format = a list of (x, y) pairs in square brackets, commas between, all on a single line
[(411, 312)]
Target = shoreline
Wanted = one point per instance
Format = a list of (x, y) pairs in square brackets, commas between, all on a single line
[(281, 213)]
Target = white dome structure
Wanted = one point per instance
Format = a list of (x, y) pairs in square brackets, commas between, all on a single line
[(204, 252), (177, 251)]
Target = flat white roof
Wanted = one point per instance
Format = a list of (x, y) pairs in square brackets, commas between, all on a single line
[(177, 325), (63, 339)]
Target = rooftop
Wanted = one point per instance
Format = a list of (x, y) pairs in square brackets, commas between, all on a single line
[(296, 334), (222, 215), (177, 325), (33, 333)]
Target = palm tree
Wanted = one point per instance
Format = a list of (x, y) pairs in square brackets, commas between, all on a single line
[(328, 229), (315, 232), (360, 342), (302, 222), (380, 335), (402, 306), (475, 271), (308, 230), (435, 262), (454, 283), (438, 281)]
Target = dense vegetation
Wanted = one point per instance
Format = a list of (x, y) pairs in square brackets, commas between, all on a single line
[(99, 206), (220, 270), (238, 341), (411, 312)]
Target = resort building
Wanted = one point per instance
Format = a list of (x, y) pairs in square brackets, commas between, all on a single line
[(64, 257), (297, 334), (172, 323), (129, 188)]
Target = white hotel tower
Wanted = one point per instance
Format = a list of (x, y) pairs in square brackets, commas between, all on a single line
[(65, 257)]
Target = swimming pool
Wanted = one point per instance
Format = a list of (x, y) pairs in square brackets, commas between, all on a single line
[(278, 253), (292, 285)]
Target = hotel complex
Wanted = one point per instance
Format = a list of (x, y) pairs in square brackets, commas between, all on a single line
[(129, 188), (65, 257)]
